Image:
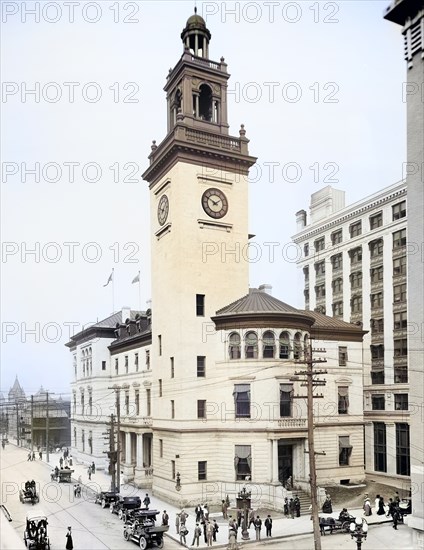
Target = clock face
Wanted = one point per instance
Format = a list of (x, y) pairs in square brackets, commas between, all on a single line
[(163, 209), (214, 203)]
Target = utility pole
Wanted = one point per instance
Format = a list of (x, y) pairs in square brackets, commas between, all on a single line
[(32, 423), (17, 423), (112, 452), (118, 440), (47, 426), (310, 383)]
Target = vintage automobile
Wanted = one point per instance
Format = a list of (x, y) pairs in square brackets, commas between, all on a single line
[(35, 534), (106, 498), (62, 475), (123, 504), (29, 494), (143, 531)]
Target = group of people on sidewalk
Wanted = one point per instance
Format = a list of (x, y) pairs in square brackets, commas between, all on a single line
[(292, 507)]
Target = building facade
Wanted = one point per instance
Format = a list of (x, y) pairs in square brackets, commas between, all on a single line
[(354, 268), (410, 15)]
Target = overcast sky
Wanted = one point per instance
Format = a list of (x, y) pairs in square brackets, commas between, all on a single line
[(318, 86)]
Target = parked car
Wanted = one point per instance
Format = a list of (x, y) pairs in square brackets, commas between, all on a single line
[(35, 534), (106, 498), (29, 494), (143, 531), (123, 504)]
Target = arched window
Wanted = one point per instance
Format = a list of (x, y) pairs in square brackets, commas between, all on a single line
[(234, 346), (205, 103), (297, 346), (251, 345), (268, 343), (284, 345)]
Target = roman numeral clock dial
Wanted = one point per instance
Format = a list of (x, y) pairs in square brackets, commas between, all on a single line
[(163, 209), (214, 203)]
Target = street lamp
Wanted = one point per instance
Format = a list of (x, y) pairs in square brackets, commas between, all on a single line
[(359, 531), (243, 502), (178, 482)]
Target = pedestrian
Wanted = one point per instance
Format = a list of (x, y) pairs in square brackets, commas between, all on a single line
[(165, 518), (183, 533), (79, 479), (198, 512), (69, 541), (209, 533), (232, 539), (268, 525), (394, 512), (215, 529), (203, 527), (251, 518), (224, 508), (61, 462), (183, 517), (206, 512), (380, 508), (177, 523), (70, 460), (196, 535), (258, 527), (93, 467), (291, 508), (29, 457), (89, 472), (396, 498), (33, 455), (297, 506), (327, 507), (367, 506), (146, 501), (238, 518), (286, 506), (40, 455)]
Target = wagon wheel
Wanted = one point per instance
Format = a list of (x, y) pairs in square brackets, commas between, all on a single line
[(346, 526), (159, 543), (126, 535), (103, 503), (143, 543), (120, 514)]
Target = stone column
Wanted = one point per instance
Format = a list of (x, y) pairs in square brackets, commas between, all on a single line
[(139, 451), (369, 447), (139, 472), (391, 447), (274, 443), (127, 466)]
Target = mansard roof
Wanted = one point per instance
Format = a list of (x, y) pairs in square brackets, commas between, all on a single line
[(257, 301)]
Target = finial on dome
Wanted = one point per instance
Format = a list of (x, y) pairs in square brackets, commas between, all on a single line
[(154, 146)]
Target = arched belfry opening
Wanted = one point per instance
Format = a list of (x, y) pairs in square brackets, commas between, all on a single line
[(196, 36), (205, 103)]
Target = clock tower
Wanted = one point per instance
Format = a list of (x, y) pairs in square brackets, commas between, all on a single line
[(199, 234)]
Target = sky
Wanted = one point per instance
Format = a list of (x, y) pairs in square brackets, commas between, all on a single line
[(318, 86)]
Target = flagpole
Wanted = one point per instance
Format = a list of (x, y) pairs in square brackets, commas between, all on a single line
[(139, 291), (113, 290)]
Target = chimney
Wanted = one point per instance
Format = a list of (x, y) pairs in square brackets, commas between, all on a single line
[(266, 288), (126, 313), (300, 220)]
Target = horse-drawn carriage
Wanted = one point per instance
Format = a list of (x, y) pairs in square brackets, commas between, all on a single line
[(29, 494), (332, 524), (62, 475), (35, 535)]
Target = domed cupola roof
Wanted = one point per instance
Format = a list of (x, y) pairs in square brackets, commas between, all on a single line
[(196, 35)]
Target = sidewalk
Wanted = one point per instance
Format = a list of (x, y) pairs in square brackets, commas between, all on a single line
[(282, 527)]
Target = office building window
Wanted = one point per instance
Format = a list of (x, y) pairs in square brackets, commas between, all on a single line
[(148, 357), (286, 400), (399, 293), (356, 304), (173, 474), (400, 347), (284, 341), (127, 403), (268, 343), (202, 470), (319, 268), (337, 261), (376, 248), (356, 280), (380, 447), (136, 361), (306, 250), (201, 366), (148, 403), (399, 210), (243, 462), (376, 274), (345, 450), (200, 305), (343, 399), (337, 237), (338, 308), (241, 395), (377, 326), (376, 300), (376, 220), (103, 365), (160, 344), (234, 347), (342, 356), (337, 285), (160, 387), (251, 345), (377, 352), (399, 239), (399, 266), (126, 364), (355, 255), (400, 321), (160, 448), (137, 402), (355, 229), (201, 408), (116, 366), (401, 401), (319, 244), (320, 291), (403, 464), (377, 402), (172, 408)]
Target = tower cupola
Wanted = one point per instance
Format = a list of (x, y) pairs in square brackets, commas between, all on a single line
[(196, 36)]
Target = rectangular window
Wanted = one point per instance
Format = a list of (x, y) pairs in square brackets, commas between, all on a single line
[(399, 266), (172, 367), (377, 352), (355, 229), (399, 239), (400, 321), (377, 326), (356, 280), (376, 220), (377, 300), (306, 250), (160, 448), (376, 248), (160, 344), (343, 399), (90, 403), (399, 210), (126, 363), (200, 305), (345, 450), (103, 365), (337, 285), (377, 402), (400, 347), (319, 268), (137, 402), (201, 408), (127, 403), (148, 358), (243, 462), (337, 261), (286, 400), (319, 244), (320, 291), (342, 356), (377, 376), (241, 395), (403, 463), (160, 387), (201, 470), (173, 474), (380, 447), (306, 274), (401, 375), (355, 255), (356, 304), (201, 366), (401, 401), (399, 293), (148, 403), (172, 408), (116, 366), (337, 237), (376, 274), (136, 361), (338, 308)]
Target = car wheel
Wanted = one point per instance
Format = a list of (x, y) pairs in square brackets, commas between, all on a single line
[(111, 509), (25, 540), (126, 535), (120, 514), (346, 526), (143, 543), (103, 503), (159, 543)]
